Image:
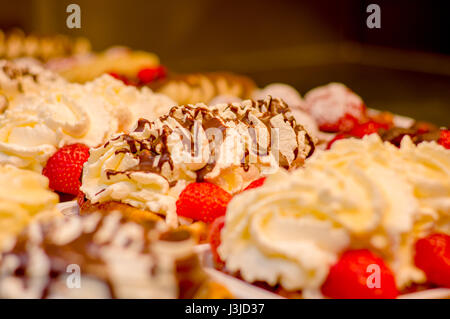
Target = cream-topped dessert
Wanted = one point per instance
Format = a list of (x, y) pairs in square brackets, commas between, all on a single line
[(229, 145), (32, 129), (99, 256), (360, 194), (24, 196)]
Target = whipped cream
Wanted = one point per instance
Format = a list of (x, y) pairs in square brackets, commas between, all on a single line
[(360, 194), (24, 195), (229, 145), (64, 113)]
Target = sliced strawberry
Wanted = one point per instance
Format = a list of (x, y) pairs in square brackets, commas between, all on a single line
[(256, 184), (444, 138), (214, 238), (122, 78), (360, 274), (148, 75), (64, 168), (344, 124), (433, 257), (367, 128), (203, 201)]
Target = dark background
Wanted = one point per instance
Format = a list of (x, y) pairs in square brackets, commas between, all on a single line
[(403, 67)]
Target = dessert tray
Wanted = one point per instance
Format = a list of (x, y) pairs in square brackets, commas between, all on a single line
[(127, 180)]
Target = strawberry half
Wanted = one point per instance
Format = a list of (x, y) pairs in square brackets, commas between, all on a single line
[(64, 168), (444, 138), (433, 257), (203, 201), (367, 128), (214, 239), (148, 75), (122, 78), (255, 184), (360, 274)]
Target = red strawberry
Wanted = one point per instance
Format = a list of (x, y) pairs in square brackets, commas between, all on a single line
[(64, 168), (444, 138), (349, 277), (335, 107), (433, 257), (338, 137), (256, 184), (367, 128), (148, 75), (344, 124), (122, 78), (203, 201), (214, 238)]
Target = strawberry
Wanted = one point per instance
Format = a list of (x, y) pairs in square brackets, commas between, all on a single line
[(64, 168), (122, 78), (214, 238), (335, 107), (255, 184), (203, 201), (344, 124), (148, 75), (349, 277), (444, 138), (433, 257), (367, 128), (338, 137)]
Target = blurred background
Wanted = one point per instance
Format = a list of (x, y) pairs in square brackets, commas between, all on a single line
[(403, 67)]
